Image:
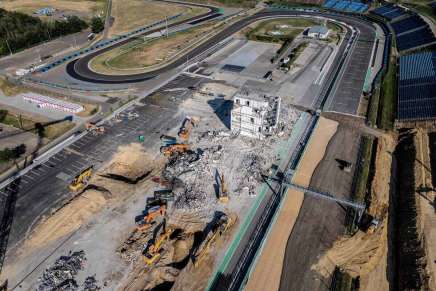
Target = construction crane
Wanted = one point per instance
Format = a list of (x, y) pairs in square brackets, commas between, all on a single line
[(188, 124), (153, 250), (175, 148), (223, 191), (81, 180)]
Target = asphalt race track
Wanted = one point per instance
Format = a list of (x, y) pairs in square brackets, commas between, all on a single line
[(79, 68)]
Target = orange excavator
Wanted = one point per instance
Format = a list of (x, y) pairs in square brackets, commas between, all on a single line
[(174, 148), (186, 129), (146, 220)]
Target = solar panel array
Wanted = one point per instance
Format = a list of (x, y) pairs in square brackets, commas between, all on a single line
[(348, 6), (417, 87), (411, 31)]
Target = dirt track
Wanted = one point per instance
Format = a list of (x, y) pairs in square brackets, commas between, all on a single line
[(267, 272)]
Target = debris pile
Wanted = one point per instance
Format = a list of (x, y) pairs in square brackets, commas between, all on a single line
[(61, 275), (191, 199), (250, 170), (90, 284)]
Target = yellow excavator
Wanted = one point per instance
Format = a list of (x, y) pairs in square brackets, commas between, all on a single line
[(224, 192), (153, 250), (81, 180), (187, 126)]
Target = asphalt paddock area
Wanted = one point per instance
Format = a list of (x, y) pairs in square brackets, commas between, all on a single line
[(345, 97), (45, 188), (320, 222)]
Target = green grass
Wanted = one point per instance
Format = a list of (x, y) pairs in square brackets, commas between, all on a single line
[(388, 97), (51, 132), (343, 282), (361, 184), (262, 32), (373, 107)]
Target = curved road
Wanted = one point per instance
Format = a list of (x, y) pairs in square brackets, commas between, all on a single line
[(80, 70)]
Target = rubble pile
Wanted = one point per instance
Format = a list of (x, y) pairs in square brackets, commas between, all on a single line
[(191, 199), (61, 275), (250, 172), (90, 284)]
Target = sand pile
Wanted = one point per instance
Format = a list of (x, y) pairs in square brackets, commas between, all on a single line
[(130, 162), (69, 218)]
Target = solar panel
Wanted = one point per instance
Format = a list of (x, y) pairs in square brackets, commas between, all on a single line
[(417, 87)]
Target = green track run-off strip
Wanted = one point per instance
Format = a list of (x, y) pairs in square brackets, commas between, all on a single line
[(296, 132)]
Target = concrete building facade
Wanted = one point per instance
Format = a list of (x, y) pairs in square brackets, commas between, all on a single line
[(254, 115)]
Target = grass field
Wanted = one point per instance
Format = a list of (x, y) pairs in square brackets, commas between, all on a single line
[(81, 8), (23, 122), (131, 14), (388, 97), (10, 89), (277, 30), (140, 55)]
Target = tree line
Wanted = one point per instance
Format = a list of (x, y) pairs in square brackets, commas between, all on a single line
[(19, 31)]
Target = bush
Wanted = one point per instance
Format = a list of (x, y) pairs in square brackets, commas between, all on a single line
[(97, 24), (3, 114), (12, 153)]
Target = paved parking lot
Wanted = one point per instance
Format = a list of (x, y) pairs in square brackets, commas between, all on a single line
[(45, 188)]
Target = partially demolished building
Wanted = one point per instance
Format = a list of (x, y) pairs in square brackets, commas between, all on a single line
[(254, 115)]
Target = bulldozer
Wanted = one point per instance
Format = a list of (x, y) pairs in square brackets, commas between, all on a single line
[(81, 180), (175, 148), (185, 130), (94, 128), (146, 220), (153, 250), (223, 191)]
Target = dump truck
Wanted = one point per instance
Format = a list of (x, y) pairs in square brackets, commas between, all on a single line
[(186, 128), (175, 148), (81, 180), (153, 250)]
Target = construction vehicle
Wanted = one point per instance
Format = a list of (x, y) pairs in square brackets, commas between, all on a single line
[(153, 250), (94, 128), (153, 209), (218, 226), (81, 180), (175, 148), (165, 194), (223, 191), (185, 130), (168, 140)]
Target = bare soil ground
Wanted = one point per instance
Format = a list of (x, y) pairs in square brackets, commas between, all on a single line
[(267, 272), (132, 14), (130, 162), (361, 253), (83, 8)]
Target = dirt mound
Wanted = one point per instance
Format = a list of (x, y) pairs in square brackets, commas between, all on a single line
[(359, 254), (130, 162)]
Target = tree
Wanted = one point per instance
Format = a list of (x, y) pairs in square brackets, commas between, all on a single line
[(3, 114), (12, 153), (97, 24)]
